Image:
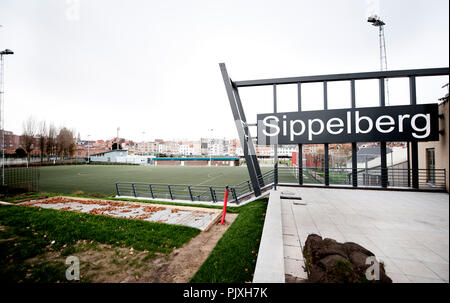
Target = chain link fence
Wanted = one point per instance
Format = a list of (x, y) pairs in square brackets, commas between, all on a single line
[(19, 179)]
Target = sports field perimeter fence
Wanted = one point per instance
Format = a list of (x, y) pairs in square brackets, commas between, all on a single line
[(367, 178), (200, 193), (24, 179)]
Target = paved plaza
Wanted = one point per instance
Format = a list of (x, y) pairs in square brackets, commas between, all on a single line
[(407, 231)]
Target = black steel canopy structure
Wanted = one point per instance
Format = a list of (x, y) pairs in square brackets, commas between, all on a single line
[(247, 142), (346, 77)]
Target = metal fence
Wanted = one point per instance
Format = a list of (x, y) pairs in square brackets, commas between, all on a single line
[(174, 191), (207, 193), (19, 178), (394, 177)]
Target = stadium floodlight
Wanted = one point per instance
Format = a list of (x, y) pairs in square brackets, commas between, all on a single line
[(375, 20), (7, 52), (2, 110)]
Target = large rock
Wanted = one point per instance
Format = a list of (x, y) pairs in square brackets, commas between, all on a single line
[(327, 261)]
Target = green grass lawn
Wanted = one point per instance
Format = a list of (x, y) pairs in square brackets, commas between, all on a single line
[(102, 178), (27, 232), (233, 260)]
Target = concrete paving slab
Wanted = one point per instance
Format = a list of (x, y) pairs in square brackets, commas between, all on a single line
[(417, 279), (409, 230), (293, 252), (389, 265), (424, 253), (440, 269), (295, 268), (415, 268), (290, 231), (399, 278), (291, 240), (200, 218)]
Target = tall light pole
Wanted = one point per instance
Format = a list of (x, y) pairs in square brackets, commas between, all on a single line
[(117, 140), (377, 22), (143, 141), (210, 148), (2, 109), (89, 150)]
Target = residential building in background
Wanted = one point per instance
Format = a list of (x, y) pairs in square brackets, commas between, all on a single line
[(434, 155), (12, 142)]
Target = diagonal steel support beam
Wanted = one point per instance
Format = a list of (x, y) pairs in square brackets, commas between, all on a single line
[(243, 132)]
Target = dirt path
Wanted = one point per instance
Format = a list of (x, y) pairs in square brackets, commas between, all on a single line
[(184, 262)]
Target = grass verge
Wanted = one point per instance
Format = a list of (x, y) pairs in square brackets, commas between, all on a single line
[(26, 232), (233, 259)]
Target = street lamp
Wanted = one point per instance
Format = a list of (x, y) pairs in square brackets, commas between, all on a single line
[(210, 148), (143, 143), (89, 151), (2, 110), (117, 141)]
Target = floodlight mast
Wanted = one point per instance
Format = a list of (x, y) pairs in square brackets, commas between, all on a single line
[(2, 109), (210, 147), (117, 138), (89, 150), (376, 21)]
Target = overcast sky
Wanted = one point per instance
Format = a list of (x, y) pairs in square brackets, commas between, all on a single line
[(152, 66)]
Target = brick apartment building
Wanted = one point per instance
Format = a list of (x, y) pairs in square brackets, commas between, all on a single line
[(13, 142)]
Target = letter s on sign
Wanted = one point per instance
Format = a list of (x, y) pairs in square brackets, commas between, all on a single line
[(275, 126)]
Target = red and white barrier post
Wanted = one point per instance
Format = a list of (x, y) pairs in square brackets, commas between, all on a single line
[(224, 205)]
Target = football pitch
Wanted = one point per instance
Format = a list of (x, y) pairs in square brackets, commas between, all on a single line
[(101, 179)]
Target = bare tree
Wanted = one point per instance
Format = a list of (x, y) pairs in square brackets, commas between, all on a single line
[(65, 142), (29, 131), (42, 135), (51, 141)]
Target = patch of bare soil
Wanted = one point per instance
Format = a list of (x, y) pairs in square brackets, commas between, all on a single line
[(103, 263), (184, 262)]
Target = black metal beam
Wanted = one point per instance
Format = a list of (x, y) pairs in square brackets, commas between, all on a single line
[(354, 150), (346, 77), (415, 164), (243, 132), (408, 150), (326, 164), (325, 146), (383, 162), (300, 146), (300, 164), (251, 147), (275, 146), (354, 165), (414, 144)]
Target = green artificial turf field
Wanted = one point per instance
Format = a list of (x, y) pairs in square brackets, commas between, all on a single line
[(102, 178)]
